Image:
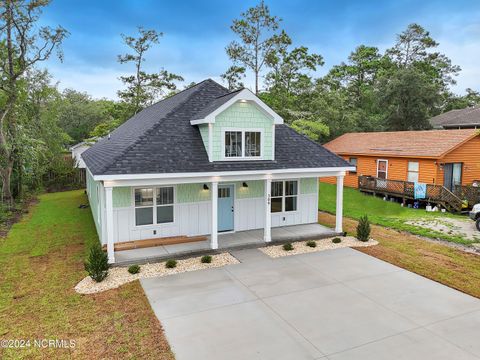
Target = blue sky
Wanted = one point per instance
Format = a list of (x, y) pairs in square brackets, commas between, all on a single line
[(196, 33)]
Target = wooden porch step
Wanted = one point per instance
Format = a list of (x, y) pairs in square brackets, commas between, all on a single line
[(139, 244)]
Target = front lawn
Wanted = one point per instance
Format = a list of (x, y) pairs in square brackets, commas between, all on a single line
[(385, 213), (41, 260)]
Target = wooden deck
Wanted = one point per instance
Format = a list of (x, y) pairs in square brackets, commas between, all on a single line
[(436, 194), (140, 244)]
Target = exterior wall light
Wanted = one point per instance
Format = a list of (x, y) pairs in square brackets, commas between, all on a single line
[(205, 187), (245, 185)]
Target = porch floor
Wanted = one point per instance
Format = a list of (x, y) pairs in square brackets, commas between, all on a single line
[(225, 241)]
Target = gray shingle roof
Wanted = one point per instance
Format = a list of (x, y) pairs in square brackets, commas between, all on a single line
[(468, 117), (160, 139)]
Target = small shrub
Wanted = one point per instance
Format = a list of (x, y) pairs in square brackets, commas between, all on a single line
[(206, 259), (97, 263), (363, 229), (336, 240), (287, 246), (311, 243), (134, 269), (170, 264)]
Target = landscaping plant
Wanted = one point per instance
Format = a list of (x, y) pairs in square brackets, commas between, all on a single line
[(170, 264), (287, 246), (206, 259), (97, 263), (134, 269), (311, 243), (336, 240), (363, 229)]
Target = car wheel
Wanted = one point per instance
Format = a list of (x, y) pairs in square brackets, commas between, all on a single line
[(478, 224)]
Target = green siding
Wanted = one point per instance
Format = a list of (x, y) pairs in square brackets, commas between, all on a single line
[(242, 115), (189, 193), (255, 189), (121, 197), (308, 185), (204, 133)]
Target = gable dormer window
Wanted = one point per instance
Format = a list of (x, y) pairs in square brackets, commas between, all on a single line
[(242, 144)]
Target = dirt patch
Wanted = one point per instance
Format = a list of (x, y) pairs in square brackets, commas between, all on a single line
[(455, 227), (15, 216)]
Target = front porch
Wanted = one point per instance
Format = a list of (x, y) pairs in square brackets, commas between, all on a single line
[(236, 240)]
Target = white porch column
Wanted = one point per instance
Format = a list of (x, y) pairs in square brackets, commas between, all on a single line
[(267, 232), (214, 232), (109, 221), (339, 208)]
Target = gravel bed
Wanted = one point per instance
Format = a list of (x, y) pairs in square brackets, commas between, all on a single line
[(118, 276), (301, 247)]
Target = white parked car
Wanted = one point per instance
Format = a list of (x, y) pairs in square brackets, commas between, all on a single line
[(475, 215)]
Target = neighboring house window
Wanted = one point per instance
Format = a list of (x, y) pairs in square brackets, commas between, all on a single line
[(413, 170), (243, 144), (154, 205), (283, 196), (353, 162)]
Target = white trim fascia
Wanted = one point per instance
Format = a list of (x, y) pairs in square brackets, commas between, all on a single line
[(335, 170), (217, 178), (243, 95), (210, 142)]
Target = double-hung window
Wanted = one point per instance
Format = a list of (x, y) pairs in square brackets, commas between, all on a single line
[(242, 144), (413, 170), (154, 205), (284, 196)]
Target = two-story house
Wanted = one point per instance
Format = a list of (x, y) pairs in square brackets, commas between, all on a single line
[(205, 161)]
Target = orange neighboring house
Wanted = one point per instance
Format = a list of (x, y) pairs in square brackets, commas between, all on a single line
[(439, 157)]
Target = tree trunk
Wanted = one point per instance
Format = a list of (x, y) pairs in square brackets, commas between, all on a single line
[(6, 174)]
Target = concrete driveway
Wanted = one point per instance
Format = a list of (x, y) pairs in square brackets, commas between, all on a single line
[(339, 304)]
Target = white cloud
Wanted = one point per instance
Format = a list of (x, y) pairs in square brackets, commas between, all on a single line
[(98, 82)]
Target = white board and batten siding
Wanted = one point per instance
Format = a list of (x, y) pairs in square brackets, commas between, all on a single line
[(194, 218)]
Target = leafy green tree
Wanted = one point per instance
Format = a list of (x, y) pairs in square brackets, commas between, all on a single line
[(23, 44), (78, 113), (409, 97), (360, 75), (233, 77), (313, 129), (470, 99), (143, 88), (260, 38), (289, 69), (104, 128), (415, 48)]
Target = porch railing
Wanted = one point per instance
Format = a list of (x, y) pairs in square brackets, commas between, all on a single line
[(405, 189)]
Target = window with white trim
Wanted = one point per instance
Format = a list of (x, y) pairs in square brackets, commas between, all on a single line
[(242, 144), (353, 162), (284, 196), (413, 171), (154, 205)]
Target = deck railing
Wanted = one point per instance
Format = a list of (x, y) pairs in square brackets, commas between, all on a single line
[(469, 193), (405, 189)]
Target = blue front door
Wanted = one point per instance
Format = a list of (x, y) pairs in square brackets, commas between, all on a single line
[(225, 207)]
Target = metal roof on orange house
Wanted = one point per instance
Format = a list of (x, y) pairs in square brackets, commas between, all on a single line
[(424, 144)]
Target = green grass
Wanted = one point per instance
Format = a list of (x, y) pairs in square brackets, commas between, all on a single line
[(385, 213), (41, 260)]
